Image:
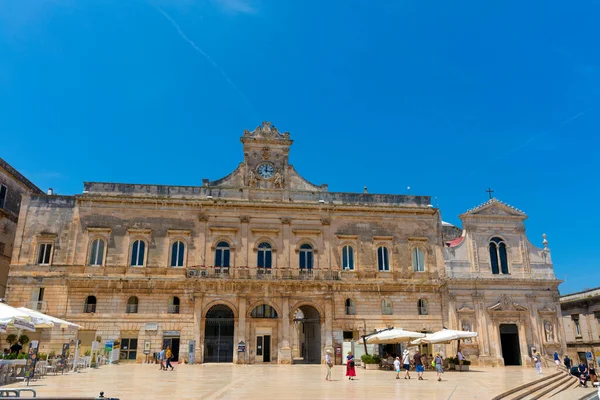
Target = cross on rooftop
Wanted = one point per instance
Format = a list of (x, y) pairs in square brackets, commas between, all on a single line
[(490, 191)]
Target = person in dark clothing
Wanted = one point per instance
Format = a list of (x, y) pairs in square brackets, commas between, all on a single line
[(583, 375), (567, 362), (16, 348)]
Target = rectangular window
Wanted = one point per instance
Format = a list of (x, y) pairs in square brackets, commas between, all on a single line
[(37, 299), (2, 196), (577, 327), (45, 250)]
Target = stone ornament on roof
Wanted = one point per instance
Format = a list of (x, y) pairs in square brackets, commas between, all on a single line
[(266, 131), (495, 201)]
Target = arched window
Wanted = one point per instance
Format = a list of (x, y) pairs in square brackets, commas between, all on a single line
[(386, 307), (418, 259), (177, 254), (222, 255), (265, 256), (263, 311), (90, 304), (422, 306), (383, 259), (350, 307), (174, 305), (132, 305), (348, 258), (97, 252), (138, 252), (498, 257), (306, 256)]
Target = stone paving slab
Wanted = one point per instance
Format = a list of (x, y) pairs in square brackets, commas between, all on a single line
[(226, 381)]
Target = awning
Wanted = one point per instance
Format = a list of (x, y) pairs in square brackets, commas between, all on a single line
[(445, 336), (392, 336), (47, 321)]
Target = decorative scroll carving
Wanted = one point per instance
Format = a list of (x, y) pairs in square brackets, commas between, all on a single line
[(278, 180), (266, 131), (266, 153), (325, 221), (202, 217), (244, 219), (286, 220)]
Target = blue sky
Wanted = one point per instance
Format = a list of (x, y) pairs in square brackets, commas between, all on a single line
[(445, 97)]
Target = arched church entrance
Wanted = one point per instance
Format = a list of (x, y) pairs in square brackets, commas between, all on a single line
[(509, 340), (307, 335), (218, 334)]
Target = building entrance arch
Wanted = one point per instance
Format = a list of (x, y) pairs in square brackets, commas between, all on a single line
[(218, 334), (307, 335)]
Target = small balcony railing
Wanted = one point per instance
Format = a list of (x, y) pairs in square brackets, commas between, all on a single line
[(89, 308), (41, 306), (261, 273), (173, 309), (132, 309)]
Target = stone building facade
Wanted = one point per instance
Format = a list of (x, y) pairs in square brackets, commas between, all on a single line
[(13, 186), (581, 319), (266, 262)]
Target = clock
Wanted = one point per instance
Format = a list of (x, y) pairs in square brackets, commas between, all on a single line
[(265, 170)]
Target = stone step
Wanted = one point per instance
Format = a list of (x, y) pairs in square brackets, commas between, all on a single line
[(520, 392), (550, 388)]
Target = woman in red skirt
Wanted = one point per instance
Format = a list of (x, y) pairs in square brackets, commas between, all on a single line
[(350, 370)]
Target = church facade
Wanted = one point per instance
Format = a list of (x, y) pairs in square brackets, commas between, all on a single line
[(265, 266)]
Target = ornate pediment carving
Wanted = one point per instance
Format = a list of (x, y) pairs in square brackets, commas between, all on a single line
[(465, 310), (266, 131), (494, 207), (506, 304)]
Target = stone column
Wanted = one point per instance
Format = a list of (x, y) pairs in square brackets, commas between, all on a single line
[(241, 332), (198, 333), (245, 250), (203, 246), (523, 341), (288, 250), (534, 319), (328, 331), (482, 316), (325, 263), (284, 355)]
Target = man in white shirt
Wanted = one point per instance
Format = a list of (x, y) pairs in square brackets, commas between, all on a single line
[(406, 364), (397, 367), (329, 364), (460, 360)]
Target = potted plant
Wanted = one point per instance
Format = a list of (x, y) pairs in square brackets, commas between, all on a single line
[(23, 340), (451, 362), (371, 361), (11, 339), (465, 366)]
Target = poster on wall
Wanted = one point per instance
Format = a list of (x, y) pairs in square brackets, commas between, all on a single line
[(114, 356), (192, 352), (31, 360)]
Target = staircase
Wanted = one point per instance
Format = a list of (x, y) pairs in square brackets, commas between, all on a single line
[(544, 388)]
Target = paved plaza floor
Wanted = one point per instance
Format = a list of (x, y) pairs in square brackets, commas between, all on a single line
[(226, 381)]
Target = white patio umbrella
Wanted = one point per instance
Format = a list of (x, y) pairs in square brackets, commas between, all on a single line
[(393, 336), (10, 316), (445, 336), (47, 321)]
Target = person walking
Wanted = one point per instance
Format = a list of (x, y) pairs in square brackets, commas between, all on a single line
[(350, 369), (438, 360), (418, 365), (460, 358), (397, 367), (169, 356), (567, 362), (537, 359), (161, 359), (556, 360), (329, 364), (406, 364)]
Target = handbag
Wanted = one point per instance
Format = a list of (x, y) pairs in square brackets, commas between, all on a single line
[(351, 364)]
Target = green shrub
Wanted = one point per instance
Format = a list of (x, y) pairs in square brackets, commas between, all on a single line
[(22, 356), (42, 356), (52, 354), (11, 339), (23, 340), (370, 359), (88, 353)]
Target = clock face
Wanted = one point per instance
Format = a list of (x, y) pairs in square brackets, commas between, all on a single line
[(265, 171)]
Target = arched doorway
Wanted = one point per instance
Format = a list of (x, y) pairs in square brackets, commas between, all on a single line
[(307, 335), (218, 334), (509, 340)]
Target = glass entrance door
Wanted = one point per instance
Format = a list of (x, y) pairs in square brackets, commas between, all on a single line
[(173, 343), (263, 348)]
